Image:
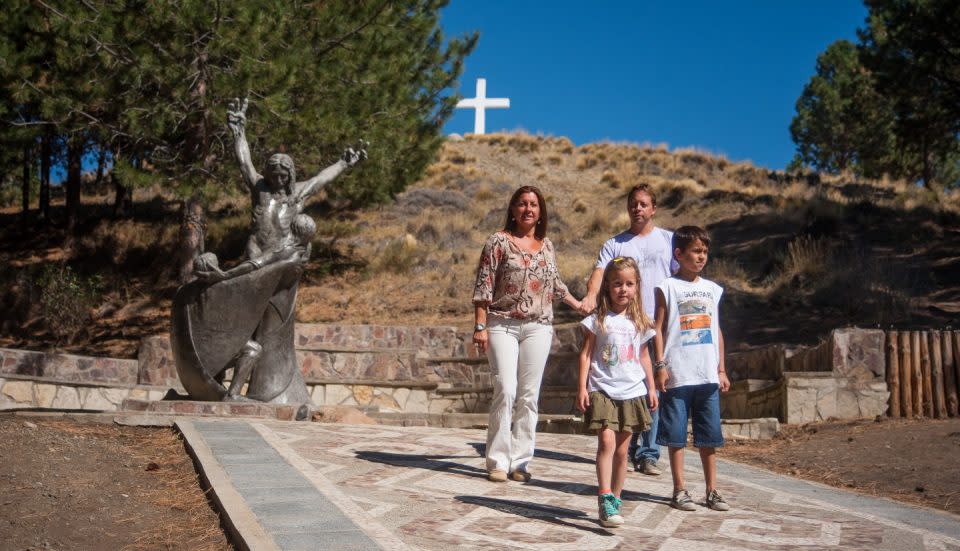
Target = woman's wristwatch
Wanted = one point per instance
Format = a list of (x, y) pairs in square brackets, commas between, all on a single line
[(479, 327)]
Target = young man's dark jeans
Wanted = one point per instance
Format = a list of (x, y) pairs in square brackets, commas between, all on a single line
[(643, 445)]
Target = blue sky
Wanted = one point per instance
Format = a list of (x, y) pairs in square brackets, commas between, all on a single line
[(723, 76)]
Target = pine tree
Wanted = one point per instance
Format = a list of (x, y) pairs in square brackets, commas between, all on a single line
[(913, 48), (842, 122)]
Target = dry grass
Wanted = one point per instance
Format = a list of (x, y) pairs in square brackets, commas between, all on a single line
[(179, 490)]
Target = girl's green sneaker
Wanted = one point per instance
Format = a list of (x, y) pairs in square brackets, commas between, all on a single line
[(609, 506)]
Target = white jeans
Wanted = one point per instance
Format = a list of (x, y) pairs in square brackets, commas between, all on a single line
[(518, 352)]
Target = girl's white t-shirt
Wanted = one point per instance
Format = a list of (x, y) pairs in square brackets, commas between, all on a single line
[(692, 331), (615, 367)]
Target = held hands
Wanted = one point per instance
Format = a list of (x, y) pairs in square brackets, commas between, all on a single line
[(653, 401), (588, 305), (581, 307), (237, 115), (355, 154), (661, 377)]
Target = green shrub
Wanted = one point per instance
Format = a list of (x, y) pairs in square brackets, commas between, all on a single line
[(66, 299)]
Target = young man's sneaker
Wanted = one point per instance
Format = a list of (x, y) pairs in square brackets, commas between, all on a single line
[(716, 502), (609, 507), (681, 500), (497, 475), (649, 467)]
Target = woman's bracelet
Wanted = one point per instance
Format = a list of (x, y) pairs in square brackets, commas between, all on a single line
[(659, 365)]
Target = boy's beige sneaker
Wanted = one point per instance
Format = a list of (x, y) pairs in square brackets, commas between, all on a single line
[(497, 475), (681, 500), (716, 502)]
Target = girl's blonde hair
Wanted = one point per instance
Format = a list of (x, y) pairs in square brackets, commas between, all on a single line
[(634, 310)]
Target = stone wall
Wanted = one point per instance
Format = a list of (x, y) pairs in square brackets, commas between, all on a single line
[(817, 396), (752, 399), (67, 367), (843, 377), (30, 392), (361, 354), (435, 370)]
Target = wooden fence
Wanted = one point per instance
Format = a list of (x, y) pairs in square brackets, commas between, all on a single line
[(923, 373)]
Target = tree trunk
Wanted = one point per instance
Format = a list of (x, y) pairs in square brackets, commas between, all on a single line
[(101, 160), (122, 196), (74, 172), (46, 151), (25, 188), (192, 233), (927, 166)]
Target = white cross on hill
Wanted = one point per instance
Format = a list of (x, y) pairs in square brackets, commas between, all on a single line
[(481, 103)]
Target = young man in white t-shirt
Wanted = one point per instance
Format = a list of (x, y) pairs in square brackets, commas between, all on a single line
[(650, 247), (689, 369)]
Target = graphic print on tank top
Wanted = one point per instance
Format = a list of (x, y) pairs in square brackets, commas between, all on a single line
[(695, 323)]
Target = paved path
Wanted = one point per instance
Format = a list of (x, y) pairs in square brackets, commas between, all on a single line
[(324, 486)]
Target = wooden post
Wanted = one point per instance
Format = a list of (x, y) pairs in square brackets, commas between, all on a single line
[(956, 362), (916, 375), (906, 375), (949, 373), (893, 374), (925, 375), (936, 374)]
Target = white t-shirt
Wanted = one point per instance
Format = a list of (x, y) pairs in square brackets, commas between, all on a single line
[(652, 252), (692, 347), (615, 366)]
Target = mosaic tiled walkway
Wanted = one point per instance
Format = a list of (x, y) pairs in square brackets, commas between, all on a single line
[(425, 488)]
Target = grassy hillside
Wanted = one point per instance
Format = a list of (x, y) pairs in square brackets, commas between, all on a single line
[(798, 255)]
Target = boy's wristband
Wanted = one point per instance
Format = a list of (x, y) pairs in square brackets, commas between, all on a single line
[(659, 366)]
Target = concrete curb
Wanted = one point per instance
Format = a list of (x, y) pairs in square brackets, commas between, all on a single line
[(242, 525)]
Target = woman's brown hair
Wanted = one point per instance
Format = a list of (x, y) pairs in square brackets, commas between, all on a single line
[(541, 228)]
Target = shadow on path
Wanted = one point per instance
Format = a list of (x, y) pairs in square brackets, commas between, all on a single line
[(537, 511), (428, 462), (581, 489), (539, 453)]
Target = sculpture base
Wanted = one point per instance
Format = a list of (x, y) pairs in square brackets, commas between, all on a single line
[(282, 412)]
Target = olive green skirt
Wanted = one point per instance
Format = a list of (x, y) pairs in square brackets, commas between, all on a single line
[(617, 415)]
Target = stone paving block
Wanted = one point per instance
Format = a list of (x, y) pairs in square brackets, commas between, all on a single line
[(242, 478), (246, 445), (265, 496), (300, 520), (264, 458), (351, 540)]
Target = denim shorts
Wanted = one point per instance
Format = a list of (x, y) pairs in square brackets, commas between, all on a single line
[(698, 403)]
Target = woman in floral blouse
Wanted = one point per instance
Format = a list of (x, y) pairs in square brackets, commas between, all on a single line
[(517, 282)]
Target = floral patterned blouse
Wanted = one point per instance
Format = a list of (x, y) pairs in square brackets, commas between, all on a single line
[(517, 284)]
